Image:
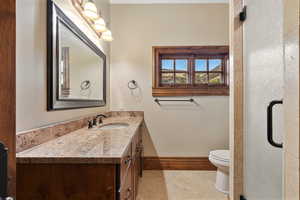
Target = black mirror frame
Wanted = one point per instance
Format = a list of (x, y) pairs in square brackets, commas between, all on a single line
[(54, 16)]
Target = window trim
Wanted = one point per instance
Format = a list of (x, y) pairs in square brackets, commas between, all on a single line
[(193, 52)]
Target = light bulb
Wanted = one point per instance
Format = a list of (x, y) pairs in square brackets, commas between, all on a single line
[(100, 25), (107, 36), (90, 10)]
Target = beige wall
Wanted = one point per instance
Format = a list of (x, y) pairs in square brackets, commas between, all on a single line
[(177, 129), (31, 63)]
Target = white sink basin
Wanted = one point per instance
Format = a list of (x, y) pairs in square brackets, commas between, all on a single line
[(113, 126)]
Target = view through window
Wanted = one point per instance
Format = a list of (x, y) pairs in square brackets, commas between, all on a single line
[(198, 70)]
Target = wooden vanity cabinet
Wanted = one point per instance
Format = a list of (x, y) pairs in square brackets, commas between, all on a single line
[(137, 155), (88, 181), (131, 170), (126, 187)]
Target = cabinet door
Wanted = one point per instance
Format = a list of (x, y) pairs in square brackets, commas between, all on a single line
[(140, 154), (136, 172), (127, 190), (127, 185), (137, 168), (126, 177), (126, 161)]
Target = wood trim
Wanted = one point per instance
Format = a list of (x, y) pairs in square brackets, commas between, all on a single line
[(291, 146), (173, 92), (8, 87), (237, 136), (190, 53), (178, 163), (206, 50)]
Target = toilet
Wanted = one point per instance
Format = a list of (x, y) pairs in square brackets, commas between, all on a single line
[(220, 159)]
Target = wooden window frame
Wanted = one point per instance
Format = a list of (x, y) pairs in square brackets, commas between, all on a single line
[(191, 53)]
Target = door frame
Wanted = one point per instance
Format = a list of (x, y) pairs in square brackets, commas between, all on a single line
[(237, 101), (8, 87), (291, 101)]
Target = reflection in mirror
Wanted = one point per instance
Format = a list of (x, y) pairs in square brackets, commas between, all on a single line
[(80, 68)]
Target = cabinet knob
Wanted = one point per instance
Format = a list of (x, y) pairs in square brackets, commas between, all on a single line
[(128, 197), (128, 160)]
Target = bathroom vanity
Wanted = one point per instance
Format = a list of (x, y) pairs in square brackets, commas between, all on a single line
[(103, 163)]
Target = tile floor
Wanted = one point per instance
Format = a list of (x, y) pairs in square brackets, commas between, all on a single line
[(179, 185)]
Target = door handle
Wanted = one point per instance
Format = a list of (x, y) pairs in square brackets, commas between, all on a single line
[(270, 123)]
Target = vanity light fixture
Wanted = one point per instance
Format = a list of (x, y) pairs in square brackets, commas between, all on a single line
[(107, 36), (90, 10), (100, 25)]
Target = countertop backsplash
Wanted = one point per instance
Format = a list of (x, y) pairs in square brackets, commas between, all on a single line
[(31, 138)]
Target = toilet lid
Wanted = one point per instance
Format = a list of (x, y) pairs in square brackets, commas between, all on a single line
[(222, 155)]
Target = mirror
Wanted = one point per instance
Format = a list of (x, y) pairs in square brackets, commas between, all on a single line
[(80, 68), (76, 66)]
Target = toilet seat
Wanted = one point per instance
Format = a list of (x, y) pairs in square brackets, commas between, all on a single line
[(220, 155)]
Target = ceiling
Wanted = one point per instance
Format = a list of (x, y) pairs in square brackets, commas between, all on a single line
[(166, 1)]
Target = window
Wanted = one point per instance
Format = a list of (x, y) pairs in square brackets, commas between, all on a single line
[(190, 71)]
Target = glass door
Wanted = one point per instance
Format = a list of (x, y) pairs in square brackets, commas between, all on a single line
[(264, 80)]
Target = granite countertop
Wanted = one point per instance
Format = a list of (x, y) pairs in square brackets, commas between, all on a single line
[(86, 145)]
